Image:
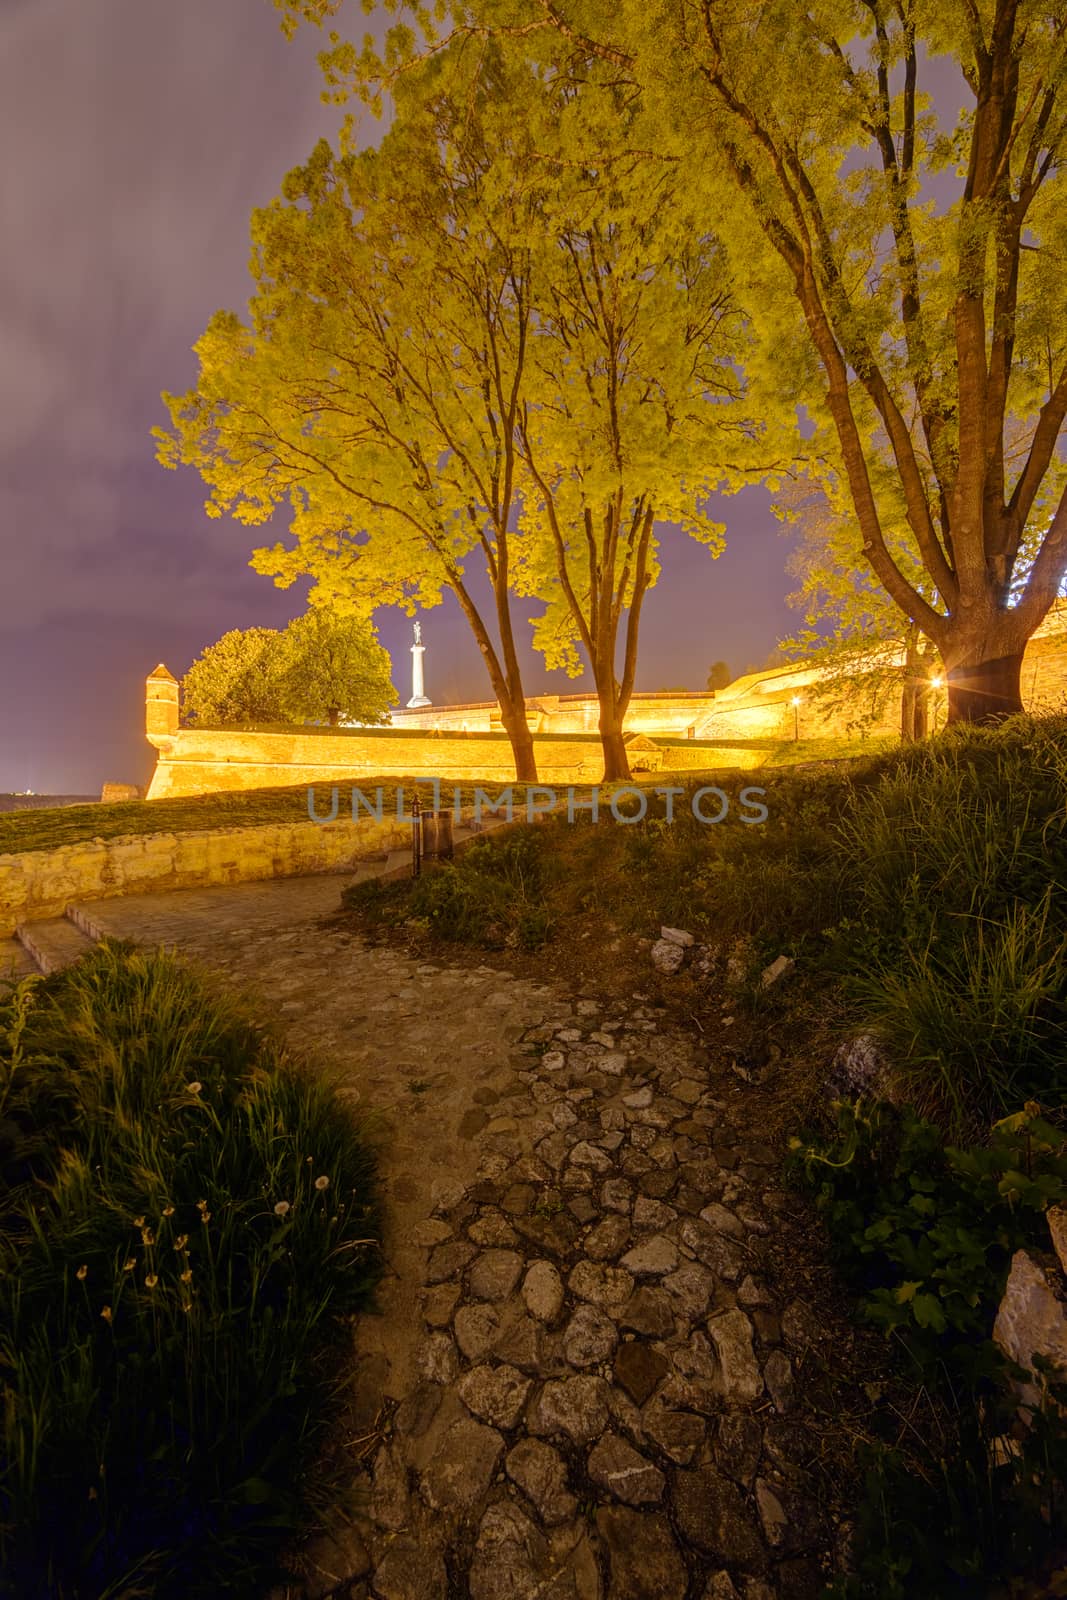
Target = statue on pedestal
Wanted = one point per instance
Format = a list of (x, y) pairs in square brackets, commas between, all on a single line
[(418, 687)]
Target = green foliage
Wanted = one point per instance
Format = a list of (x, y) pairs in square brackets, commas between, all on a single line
[(185, 1217), (924, 1233), (318, 669)]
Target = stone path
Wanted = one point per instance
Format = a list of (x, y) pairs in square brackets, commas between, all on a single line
[(580, 1383)]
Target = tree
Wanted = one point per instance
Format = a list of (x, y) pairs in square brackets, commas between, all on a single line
[(319, 668), (376, 389), (921, 335), (718, 676), (333, 667), (636, 335)]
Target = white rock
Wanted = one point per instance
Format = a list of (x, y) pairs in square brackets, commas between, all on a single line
[(667, 957), (1030, 1321), (779, 968), (542, 1291), (676, 936)]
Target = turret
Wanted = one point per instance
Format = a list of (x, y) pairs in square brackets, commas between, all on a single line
[(161, 705)]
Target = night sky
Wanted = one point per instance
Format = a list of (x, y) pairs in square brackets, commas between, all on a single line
[(138, 137)]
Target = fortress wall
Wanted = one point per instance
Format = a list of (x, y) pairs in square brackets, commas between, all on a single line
[(42, 883), (205, 760)]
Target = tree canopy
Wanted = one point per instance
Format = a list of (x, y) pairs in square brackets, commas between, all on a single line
[(321, 668), (899, 254)]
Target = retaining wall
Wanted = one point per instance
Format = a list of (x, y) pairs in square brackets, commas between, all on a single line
[(42, 883)]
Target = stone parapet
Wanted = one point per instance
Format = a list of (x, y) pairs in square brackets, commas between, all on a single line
[(42, 883)]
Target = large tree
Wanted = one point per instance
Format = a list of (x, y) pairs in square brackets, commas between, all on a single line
[(633, 413), (920, 251), (376, 388)]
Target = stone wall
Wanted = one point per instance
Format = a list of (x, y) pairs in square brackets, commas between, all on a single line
[(42, 883)]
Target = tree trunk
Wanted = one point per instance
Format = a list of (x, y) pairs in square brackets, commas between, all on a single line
[(333, 714), (513, 717), (909, 705), (986, 691), (616, 760)]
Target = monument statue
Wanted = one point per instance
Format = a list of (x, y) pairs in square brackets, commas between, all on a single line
[(418, 687)]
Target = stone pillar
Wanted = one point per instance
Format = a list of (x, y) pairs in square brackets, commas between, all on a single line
[(418, 687), (161, 705)]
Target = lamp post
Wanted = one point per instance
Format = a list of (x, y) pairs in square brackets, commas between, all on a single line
[(795, 703), (936, 683)]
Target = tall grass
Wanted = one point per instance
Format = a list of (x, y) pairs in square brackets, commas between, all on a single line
[(185, 1216)]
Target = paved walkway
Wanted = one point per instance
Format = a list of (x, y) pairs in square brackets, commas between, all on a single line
[(583, 1385)]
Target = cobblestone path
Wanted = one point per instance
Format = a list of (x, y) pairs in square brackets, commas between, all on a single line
[(585, 1384)]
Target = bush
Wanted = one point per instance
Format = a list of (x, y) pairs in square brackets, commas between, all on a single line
[(186, 1216), (924, 1233)]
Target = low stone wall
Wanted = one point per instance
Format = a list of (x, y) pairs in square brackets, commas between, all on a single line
[(42, 883)]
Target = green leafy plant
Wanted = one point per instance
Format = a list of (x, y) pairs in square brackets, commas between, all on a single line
[(186, 1219)]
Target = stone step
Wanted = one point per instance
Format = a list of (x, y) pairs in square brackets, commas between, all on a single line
[(90, 923), (15, 960), (54, 943)]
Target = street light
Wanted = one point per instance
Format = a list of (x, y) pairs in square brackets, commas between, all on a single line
[(795, 703)]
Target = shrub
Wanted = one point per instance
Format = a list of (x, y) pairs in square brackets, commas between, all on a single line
[(186, 1217), (924, 1233)]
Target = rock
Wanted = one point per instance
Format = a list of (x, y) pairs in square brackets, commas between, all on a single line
[(439, 1304), (607, 1239), (462, 1467), (589, 1338), (617, 1195), (415, 1413), (638, 1099), (522, 1345), (511, 1558), (584, 1154), (1056, 1217), (780, 968), (739, 1375), (495, 1274), (1030, 1321), (666, 956), (723, 1221), (740, 1444), (582, 1209), (778, 1376), (542, 1291), (448, 1261), (711, 1514), (720, 1587), (389, 1495), (639, 1369), (772, 1514), (751, 1293), (437, 1358), (606, 1287), (644, 1559), (579, 1407), (677, 936), (492, 1229), (652, 1258), (477, 1329), (612, 1062), (541, 1474), (679, 1434), (800, 1325), (619, 1469), (714, 1249), (495, 1394), (691, 1288), (409, 1570), (648, 1311), (859, 1068), (652, 1216)]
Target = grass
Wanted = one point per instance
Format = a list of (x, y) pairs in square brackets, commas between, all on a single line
[(47, 829), (186, 1217), (928, 884)]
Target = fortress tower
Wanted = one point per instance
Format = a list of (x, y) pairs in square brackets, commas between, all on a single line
[(161, 706)]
